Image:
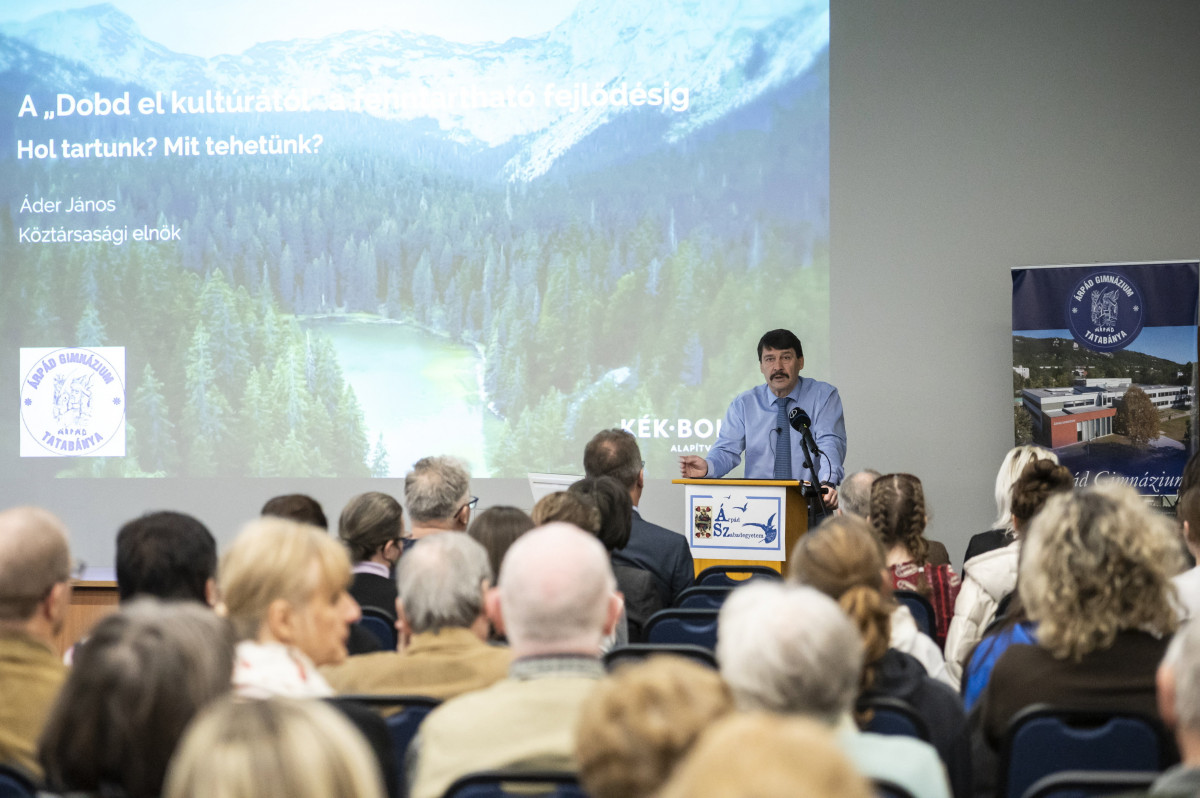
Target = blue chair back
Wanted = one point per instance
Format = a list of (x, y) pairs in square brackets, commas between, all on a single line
[(894, 716), (402, 725), (506, 784), (638, 652), (15, 784), (702, 597), (1089, 783), (719, 575), (1043, 740), (692, 627), (381, 626), (921, 609)]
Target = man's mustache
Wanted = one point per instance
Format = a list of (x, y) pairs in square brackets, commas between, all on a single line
[(775, 374)]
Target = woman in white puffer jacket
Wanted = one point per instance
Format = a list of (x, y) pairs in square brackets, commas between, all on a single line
[(989, 577)]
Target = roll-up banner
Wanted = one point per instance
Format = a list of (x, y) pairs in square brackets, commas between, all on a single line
[(1104, 368)]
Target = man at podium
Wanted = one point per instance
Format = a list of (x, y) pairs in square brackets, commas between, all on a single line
[(769, 421)]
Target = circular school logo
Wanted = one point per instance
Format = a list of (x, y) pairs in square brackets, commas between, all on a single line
[(1105, 311), (73, 402)]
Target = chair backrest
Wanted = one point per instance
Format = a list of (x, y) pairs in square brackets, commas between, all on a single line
[(402, 724), (921, 609), (637, 652), (719, 575), (15, 783), (887, 789), (378, 624), (1042, 740), (695, 627), (1087, 783), (894, 716), (702, 597), (502, 784)]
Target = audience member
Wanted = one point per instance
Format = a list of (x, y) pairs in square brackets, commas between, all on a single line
[(641, 596), (1011, 467), (169, 556), (791, 650), (898, 516), (296, 507), (556, 601), (756, 755), (990, 577), (443, 627), (437, 493), (283, 587), (665, 554), (35, 590), (1095, 576), (854, 494), (278, 748), (640, 722), (843, 559), (1179, 706), (371, 526), (136, 683), (497, 528), (1187, 512)]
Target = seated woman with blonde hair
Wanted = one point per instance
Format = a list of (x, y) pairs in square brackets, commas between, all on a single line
[(284, 589), (275, 748), (1095, 576)]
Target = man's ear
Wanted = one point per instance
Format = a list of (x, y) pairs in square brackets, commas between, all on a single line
[(210, 592), (1164, 679), (403, 630), (495, 614), (280, 622), (641, 480), (56, 604), (616, 605), (800, 363)]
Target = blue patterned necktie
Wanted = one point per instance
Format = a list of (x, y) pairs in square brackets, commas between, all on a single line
[(783, 446)]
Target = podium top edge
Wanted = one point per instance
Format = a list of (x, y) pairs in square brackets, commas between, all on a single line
[(782, 483)]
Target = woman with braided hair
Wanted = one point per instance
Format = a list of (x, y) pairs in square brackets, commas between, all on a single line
[(898, 517), (843, 559)]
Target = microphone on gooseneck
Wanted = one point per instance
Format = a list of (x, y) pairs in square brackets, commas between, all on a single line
[(800, 422)]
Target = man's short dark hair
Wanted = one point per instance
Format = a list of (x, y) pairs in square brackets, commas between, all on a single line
[(296, 507), (613, 453), (165, 554), (780, 339)]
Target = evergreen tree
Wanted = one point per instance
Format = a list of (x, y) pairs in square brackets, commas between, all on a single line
[(158, 451)]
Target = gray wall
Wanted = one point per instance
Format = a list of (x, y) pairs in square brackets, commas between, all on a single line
[(967, 137)]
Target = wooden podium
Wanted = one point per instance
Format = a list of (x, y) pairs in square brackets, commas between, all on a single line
[(785, 494)]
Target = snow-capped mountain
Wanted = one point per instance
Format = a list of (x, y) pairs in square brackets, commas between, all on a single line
[(725, 53)]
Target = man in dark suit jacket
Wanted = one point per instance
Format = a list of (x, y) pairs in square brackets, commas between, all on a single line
[(665, 554)]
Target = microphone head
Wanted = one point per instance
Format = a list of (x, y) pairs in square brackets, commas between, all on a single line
[(799, 419)]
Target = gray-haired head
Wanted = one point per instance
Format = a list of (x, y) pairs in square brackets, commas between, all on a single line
[(790, 649), (556, 590), (854, 494), (441, 582), (436, 489)]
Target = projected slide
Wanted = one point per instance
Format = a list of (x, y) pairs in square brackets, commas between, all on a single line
[(326, 239)]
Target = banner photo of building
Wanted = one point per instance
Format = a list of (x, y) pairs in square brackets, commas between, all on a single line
[(1104, 368)]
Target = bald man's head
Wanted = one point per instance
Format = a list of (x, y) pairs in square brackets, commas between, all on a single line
[(556, 590), (34, 557)]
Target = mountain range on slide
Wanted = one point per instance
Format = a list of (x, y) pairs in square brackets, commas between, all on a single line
[(727, 53)]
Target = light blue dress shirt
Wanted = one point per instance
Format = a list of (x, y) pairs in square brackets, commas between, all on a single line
[(749, 427)]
